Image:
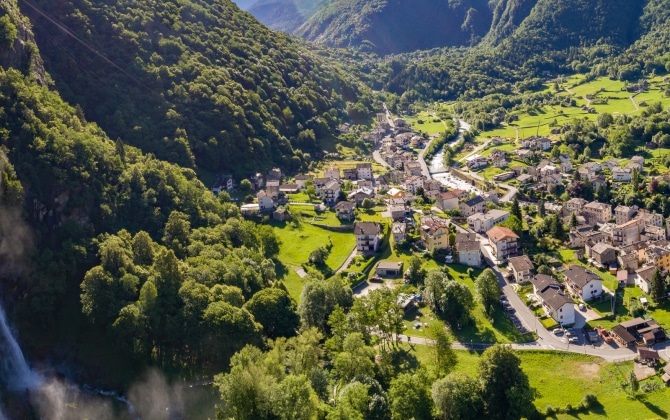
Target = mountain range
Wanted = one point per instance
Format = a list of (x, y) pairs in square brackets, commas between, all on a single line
[(397, 26)]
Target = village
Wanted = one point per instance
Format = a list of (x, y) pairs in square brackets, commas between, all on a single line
[(600, 295)]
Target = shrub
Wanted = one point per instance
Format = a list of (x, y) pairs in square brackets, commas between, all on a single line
[(549, 410)]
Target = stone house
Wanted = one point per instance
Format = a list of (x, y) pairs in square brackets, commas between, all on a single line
[(345, 210)]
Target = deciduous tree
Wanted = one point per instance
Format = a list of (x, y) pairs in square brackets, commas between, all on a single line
[(505, 389)]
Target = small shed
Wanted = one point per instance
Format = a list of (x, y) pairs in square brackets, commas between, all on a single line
[(647, 356), (389, 268), (622, 336), (666, 374), (622, 277), (281, 215)]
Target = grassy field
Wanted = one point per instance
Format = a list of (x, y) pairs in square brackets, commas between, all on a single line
[(428, 125), (298, 242), (564, 378), (537, 121), (346, 164)]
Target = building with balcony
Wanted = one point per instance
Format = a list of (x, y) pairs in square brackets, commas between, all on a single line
[(368, 236), (583, 282), (503, 241)]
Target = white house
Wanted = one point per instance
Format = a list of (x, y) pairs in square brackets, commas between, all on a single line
[(472, 206), (555, 303), (368, 236), (503, 241), (364, 170), (522, 268), (469, 249), (476, 161), (583, 282), (448, 200), (643, 278), (412, 183), (622, 174), (559, 306), (265, 202), (482, 222)]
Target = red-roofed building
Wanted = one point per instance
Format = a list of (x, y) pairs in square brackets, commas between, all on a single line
[(503, 241), (449, 200)]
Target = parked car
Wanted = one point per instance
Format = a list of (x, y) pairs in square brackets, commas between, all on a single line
[(573, 339), (582, 307), (558, 332), (376, 279)]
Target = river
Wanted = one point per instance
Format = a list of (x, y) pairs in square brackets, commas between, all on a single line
[(441, 174)]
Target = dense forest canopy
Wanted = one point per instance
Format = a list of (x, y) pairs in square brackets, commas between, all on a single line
[(201, 84)]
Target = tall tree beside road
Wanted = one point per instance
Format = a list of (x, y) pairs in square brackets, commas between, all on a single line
[(445, 357), (506, 391), (449, 299), (488, 291)]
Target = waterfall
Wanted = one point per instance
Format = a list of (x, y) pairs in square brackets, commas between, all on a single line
[(13, 366)]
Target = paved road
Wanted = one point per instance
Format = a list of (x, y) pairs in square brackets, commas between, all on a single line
[(508, 196), (475, 150), (376, 155), (424, 168), (348, 261)]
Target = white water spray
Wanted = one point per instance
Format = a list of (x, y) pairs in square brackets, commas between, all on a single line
[(14, 367)]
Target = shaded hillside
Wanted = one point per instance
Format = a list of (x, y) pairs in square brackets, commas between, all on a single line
[(507, 16), (561, 24), (391, 26), (284, 15), (199, 84), (394, 26)]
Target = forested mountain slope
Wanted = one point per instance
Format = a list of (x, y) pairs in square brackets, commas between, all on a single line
[(387, 26), (391, 26), (107, 254), (198, 83), (284, 15)]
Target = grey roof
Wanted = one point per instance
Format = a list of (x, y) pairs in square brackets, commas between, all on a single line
[(646, 272), (623, 334), (366, 228), (461, 237), (390, 265), (468, 246), (633, 323), (474, 201), (554, 298), (580, 275), (344, 205), (542, 281), (521, 263), (601, 247)]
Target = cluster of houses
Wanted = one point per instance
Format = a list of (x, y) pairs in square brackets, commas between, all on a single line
[(632, 239), (558, 299)]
